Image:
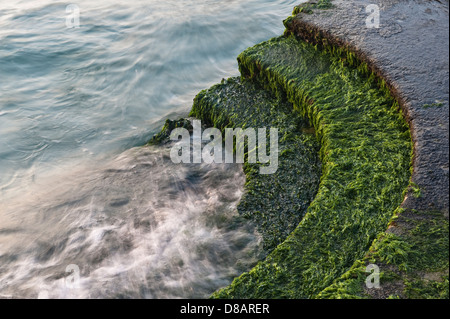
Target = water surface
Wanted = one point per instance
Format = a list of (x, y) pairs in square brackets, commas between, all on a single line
[(73, 104)]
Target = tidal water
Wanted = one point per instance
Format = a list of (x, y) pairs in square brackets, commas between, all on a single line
[(76, 188)]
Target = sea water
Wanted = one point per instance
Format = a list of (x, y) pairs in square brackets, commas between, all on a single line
[(85, 211)]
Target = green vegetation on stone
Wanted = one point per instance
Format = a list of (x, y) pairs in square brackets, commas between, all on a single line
[(275, 203), (416, 191), (168, 127), (437, 104), (414, 261), (366, 165), (366, 152), (308, 7)]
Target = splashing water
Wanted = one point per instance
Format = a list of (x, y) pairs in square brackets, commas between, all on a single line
[(73, 190), (141, 228)]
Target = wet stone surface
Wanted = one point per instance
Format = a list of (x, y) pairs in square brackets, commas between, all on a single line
[(410, 51)]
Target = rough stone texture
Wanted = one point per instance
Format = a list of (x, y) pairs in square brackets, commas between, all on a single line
[(410, 50)]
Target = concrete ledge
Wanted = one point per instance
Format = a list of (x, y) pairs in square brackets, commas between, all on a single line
[(410, 51)]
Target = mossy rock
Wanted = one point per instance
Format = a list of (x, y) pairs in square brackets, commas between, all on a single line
[(163, 136), (412, 255), (309, 6), (276, 203), (366, 153), (364, 146)]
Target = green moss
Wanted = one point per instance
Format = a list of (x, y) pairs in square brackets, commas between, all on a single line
[(366, 154), (437, 104), (415, 190), (427, 289), (168, 127), (308, 7), (416, 259), (365, 149), (275, 203)]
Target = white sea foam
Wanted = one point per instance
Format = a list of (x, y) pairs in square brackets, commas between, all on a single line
[(140, 227)]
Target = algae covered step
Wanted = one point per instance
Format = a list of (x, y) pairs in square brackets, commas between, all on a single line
[(277, 202), (366, 153)]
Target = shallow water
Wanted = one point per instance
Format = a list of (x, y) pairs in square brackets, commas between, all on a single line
[(73, 103), (70, 95), (142, 227)]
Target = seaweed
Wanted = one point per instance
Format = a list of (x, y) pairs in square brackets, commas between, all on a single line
[(318, 248), (309, 6), (366, 154), (414, 261), (276, 203)]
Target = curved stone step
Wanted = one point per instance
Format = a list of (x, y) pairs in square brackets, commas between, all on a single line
[(276, 202), (366, 156), (409, 49)]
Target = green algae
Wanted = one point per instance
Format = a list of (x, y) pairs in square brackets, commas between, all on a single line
[(365, 149), (308, 7), (433, 105), (275, 203), (415, 189), (169, 126), (414, 261), (366, 154)]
